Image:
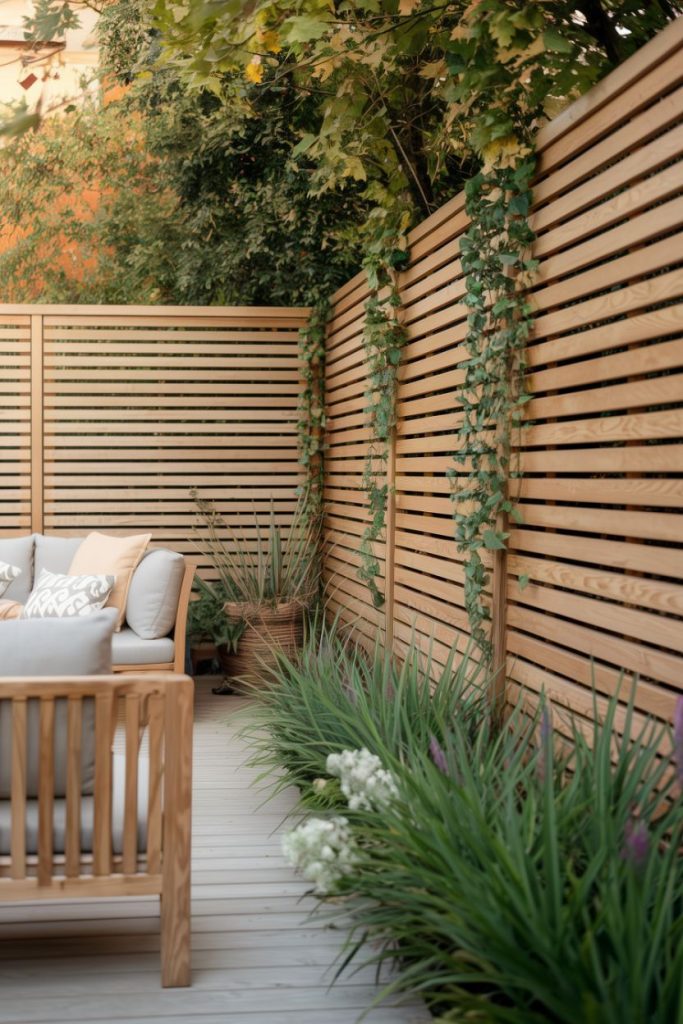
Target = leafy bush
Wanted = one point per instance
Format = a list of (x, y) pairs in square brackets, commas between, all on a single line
[(513, 879), (207, 620)]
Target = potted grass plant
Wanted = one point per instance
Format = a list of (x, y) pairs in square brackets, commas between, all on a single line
[(269, 576)]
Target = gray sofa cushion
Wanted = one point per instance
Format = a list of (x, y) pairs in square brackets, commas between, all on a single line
[(18, 551), (54, 553), (154, 593), (129, 649), (53, 647), (58, 647), (87, 807)]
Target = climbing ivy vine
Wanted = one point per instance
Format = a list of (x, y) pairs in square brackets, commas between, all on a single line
[(495, 252), (383, 340), (311, 423)]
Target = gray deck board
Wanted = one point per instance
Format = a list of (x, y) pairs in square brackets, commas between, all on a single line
[(257, 954)]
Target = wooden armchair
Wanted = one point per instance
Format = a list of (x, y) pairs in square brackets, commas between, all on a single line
[(127, 834)]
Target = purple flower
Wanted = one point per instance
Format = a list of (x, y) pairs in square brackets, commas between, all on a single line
[(678, 739), (636, 843), (437, 755)]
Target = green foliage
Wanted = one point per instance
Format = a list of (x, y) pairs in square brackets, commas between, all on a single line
[(523, 885), (407, 90), (196, 196), (84, 213), (311, 425), (272, 566), (50, 19), (517, 879), (383, 341), (207, 620), (336, 696), (496, 260)]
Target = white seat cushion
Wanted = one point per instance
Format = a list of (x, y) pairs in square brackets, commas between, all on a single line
[(127, 648), (87, 803)]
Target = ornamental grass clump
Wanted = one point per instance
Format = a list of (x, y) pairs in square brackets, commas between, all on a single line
[(522, 876), (530, 886), (262, 564), (335, 697)]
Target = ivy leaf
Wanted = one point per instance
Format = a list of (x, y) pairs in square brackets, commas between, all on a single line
[(523, 581), (494, 541), (519, 205)]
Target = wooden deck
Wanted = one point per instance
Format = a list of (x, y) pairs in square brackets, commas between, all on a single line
[(257, 957)]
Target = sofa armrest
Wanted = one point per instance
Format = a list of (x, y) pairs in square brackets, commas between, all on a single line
[(180, 628)]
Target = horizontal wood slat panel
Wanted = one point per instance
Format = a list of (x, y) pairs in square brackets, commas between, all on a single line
[(599, 549), (15, 423), (138, 405)]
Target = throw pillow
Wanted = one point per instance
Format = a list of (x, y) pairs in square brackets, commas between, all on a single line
[(66, 597), (115, 556), (154, 593), (8, 574)]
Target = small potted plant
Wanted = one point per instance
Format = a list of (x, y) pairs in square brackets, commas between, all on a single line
[(269, 580), (208, 628)]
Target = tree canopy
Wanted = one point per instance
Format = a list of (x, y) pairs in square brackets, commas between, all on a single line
[(165, 194), (411, 93), (274, 141)]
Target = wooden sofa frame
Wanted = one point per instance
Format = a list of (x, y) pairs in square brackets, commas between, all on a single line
[(163, 702), (179, 630)]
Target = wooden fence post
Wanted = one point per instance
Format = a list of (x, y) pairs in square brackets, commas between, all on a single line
[(37, 423), (390, 546), (499, 620)]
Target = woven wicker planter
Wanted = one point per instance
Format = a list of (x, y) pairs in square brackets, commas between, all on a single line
[(269, 629)]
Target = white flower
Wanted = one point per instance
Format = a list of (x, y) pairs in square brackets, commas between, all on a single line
[(323, 850), (319, 785), (366, 785)]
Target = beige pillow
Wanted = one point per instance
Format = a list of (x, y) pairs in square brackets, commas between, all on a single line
[(117, 556)]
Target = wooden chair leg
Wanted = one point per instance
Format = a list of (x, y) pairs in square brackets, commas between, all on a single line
[(175, 886), (175, 940)]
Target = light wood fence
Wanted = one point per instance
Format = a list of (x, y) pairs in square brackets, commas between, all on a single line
[(111, 414), (602, 456)]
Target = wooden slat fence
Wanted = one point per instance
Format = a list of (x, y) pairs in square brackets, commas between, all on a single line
[(602, 454), (111, 414)]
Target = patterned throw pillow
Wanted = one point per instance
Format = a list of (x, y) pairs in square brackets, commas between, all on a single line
[(8, 574), (64, 597)]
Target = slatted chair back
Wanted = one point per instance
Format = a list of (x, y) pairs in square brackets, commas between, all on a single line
[(127, 834)]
